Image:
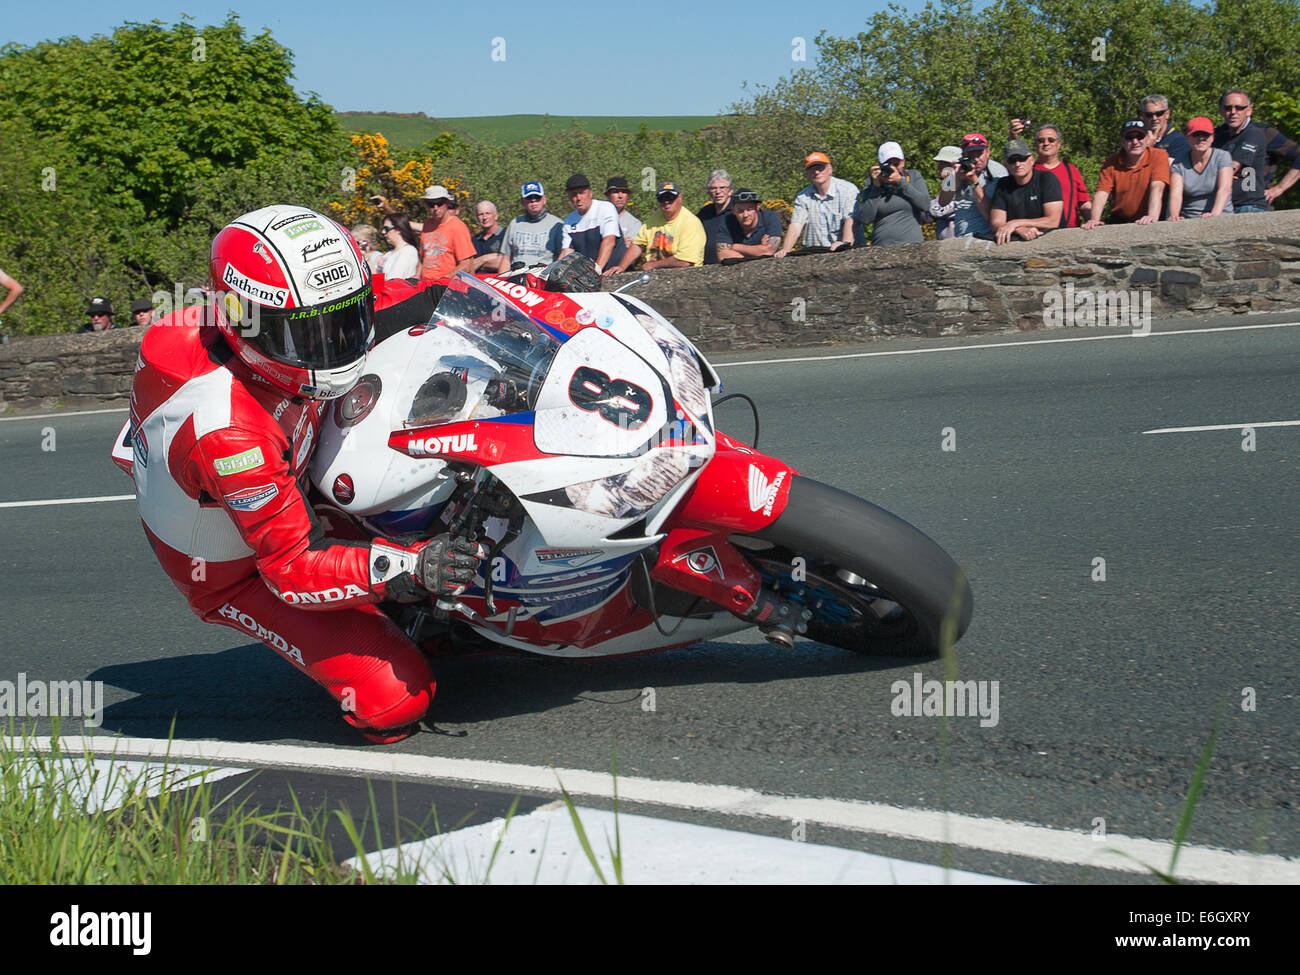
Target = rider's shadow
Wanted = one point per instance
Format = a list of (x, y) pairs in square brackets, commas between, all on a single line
[(249, 694), (245, 694), (486, 687)]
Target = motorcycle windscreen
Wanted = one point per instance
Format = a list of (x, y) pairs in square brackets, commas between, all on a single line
[(600, 399), (520, 351)]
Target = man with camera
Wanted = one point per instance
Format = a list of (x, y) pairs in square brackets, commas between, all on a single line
[(893, 200), (976, 177)]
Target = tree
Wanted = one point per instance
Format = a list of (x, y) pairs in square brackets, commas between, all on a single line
[(125, 154)]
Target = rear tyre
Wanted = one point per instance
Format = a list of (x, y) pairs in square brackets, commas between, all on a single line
[(874, 583)]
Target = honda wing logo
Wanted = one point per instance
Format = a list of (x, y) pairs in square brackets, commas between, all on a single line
[(762, 493)]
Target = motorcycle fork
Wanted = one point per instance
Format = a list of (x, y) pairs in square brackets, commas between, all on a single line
[(705, 563)]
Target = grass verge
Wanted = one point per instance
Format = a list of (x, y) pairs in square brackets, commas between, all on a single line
[(68, 817)]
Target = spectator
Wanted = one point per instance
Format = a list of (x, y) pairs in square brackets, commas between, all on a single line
[(1200, 183), (894, 200), (1164, 134), (616, 192), (13, 289), (748, 230), (592, 228), (403, 258), (368, 241), (1027, 203), (1279, 147), (1136, 176), (976, 178), (535, 237), (445, 244), (142, 311), (487, 243), (823, 210), (672, 238), (101, 316), (1254, 149), (1074, 191), (714, 214), (944, 205)]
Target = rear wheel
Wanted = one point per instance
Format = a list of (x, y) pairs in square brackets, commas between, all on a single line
[(873, 583)]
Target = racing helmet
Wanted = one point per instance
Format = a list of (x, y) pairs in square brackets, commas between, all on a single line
[(293, 299)]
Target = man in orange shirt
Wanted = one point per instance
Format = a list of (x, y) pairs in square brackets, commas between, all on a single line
[(446, 245), (1135, 176)]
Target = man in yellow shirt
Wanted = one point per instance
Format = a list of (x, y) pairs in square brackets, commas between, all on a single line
[(672, 238)]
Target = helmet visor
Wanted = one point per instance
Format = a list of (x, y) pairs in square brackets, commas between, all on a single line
[(333, 333)]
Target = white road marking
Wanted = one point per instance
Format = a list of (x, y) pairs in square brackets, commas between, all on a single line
[(105, 783), (47, 416), (37, 504), (1001, 345), (1227, 426), (1114, 852), (543, 847)]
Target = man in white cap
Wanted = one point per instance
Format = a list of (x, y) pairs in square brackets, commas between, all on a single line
[(943, 205), (893, 201), (445, 242)]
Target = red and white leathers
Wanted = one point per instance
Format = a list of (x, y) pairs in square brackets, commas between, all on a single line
[(219, 461)]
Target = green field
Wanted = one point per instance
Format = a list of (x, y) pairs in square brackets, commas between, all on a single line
[(412, 130)]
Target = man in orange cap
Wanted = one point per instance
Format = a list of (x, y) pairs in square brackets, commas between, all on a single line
[(823, 210)]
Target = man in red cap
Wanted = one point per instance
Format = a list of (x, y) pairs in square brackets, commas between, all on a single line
[(977, 177), (823, 210)]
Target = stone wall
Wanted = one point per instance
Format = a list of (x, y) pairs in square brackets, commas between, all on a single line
[(953, 287)]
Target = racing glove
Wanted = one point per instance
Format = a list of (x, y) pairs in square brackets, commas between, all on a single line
[(448, 564)]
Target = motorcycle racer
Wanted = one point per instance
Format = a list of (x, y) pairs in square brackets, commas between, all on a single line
[(226, 407)]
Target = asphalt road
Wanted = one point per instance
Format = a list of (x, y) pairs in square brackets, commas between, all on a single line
[(1108, 690)]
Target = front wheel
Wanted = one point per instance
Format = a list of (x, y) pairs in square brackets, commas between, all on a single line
[(874, 583)]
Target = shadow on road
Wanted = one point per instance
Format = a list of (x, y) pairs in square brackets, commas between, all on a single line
[(249, 694)]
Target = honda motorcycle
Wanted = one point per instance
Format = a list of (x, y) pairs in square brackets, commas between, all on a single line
[(573, 435)]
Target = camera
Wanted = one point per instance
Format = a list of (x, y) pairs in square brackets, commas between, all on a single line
[(966, 163)]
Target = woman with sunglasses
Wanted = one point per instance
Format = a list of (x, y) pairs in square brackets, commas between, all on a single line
[(403, 261), (1201, 184)]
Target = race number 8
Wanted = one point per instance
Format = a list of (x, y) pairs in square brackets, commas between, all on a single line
[(622, 403)]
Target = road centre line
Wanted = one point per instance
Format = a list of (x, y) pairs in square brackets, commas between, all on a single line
[(1227, 426), (1113, 852), (1001, 345), (48, 416), (37, 504)]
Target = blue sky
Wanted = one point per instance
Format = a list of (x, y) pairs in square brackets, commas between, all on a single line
[(667, 57)]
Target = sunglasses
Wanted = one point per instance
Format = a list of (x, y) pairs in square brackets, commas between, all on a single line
[(1155, 114), (389, 230), (816, 167), (438, 203), (666, 198), (1235, 108), (531, 199), (1046, 140), (1017, 159), (1134, 136), (99, 314)]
